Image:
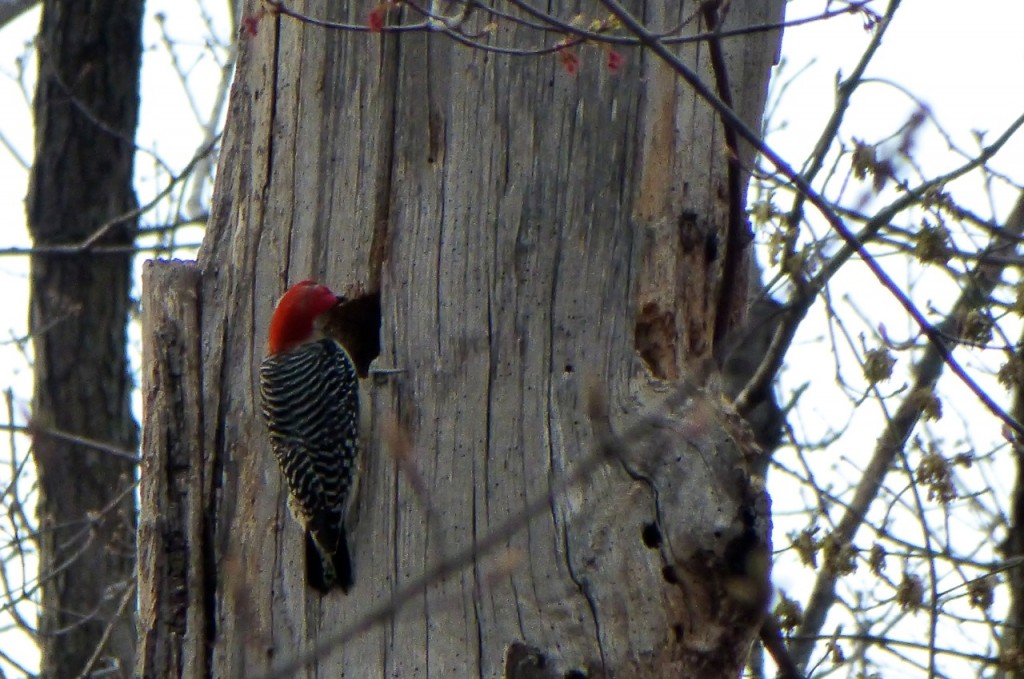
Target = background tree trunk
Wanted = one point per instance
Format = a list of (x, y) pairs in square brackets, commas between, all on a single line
[(86, 109), (527, 234), (1012, 641)]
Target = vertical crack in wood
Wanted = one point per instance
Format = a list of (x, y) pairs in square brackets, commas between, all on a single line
[(172, 561), (380, 245)]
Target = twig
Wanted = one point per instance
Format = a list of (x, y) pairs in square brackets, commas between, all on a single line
[(844, 93), (279, 7), (731, 297), (803, 300), (129, 595), (898, 430), (771, 637), (97, 250), (609, 447), (12, 9), (656, 46), (110, 448)]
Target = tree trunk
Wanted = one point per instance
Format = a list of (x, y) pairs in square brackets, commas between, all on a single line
[(1012, 640), (86, 109), (535, 241)]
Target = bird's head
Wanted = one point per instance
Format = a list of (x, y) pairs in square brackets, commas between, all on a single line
[(293, 322)]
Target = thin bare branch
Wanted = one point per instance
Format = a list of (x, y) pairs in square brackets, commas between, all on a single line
[(72, 438), (126, 598), (12, 9), (753, 138), (889, 445), (609, 447)]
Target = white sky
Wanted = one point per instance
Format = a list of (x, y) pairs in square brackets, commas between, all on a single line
[(963, 59)]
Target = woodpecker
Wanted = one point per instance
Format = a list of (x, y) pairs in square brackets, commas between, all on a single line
[(310, 400)]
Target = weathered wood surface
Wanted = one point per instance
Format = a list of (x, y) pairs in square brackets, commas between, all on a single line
[(174, 480), (529, 233)]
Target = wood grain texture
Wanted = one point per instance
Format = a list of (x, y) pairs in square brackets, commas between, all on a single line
[(515, 221), (173, 481)]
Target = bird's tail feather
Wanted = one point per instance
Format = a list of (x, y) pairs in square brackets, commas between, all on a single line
[(326, 568)]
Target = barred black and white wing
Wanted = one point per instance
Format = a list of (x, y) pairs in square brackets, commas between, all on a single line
[(310, 399)]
